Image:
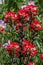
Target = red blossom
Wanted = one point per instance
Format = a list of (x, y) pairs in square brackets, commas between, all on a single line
[(25, 42), (18, 25), (33, 52), (32, 46), (31, 63), (23, 13), (29, 48), (36, 25), (13, 48), (10, 15), (32, 9), (41, 56), (25, 28), (23, 52)]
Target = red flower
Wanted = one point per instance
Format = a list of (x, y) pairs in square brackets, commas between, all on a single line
[(29, 48), (13, 48), (32, 46), (25, 28), (23, 52), (41, 56), (26, 42), (33, 52), (36, 25), (18, 25), (31, 63), (25, 46), (10, 15), (35, 12), (23, 13), (32, 9)]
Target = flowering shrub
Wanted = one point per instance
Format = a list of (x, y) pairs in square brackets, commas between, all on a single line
[(16, 27)]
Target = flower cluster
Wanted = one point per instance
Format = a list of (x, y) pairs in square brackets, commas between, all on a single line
[(10, 17), (26, 14), (32, 9), (29, 48), (13, 48), (36, 25)]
